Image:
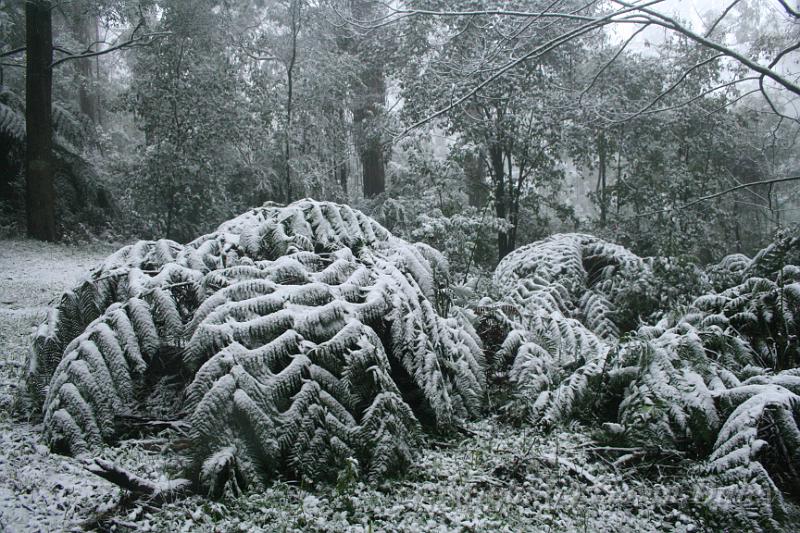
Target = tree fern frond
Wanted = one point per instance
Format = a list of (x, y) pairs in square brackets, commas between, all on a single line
[(302, 337), (12, 123)]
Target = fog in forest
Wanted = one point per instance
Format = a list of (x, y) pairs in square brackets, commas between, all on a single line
[(423, 265)]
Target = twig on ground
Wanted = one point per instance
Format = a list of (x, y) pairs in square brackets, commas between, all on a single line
[(554, 462), (154, 492)]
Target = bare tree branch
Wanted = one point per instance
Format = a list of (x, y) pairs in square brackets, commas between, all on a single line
[(670, 23), (594, 24), (610, 61), (133, 40), (148, 37), (762, 89), (156, 492), (629, 13), (789, 10), (15, 51), (783, 53), (719, 19), (734, 101), (672, 87), (700, 96), (715, 195), (490, 12)]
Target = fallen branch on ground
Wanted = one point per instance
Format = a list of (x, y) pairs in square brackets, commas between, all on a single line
[(155, 492)]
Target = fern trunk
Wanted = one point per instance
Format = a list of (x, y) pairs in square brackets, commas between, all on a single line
[(39, 173)]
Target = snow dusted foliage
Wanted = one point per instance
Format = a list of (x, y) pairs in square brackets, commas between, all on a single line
[(577, 275), (142, 270), (564, 290), (710, 384), (760, 440), (717, 382), (760, 310), (548, 357), (785, 250), (293, 340), (297, 372), (729, 271)]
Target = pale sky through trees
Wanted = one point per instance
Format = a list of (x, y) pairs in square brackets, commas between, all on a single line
[(767, 17)]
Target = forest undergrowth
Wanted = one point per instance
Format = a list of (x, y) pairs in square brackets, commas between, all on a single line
[(303, 369)]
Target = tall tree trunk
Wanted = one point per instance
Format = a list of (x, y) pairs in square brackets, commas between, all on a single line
[(601, 178), (84, 28), (295, 28), (504, 241), (513, 198), (39, 173), (97, 107), (373, 166), (366, 118), (368, 110), (474, 175), (342, 171), (343, 142)]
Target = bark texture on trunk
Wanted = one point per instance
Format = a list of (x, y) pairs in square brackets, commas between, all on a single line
[(475, 177), (505, 240), (365, 116), (39, 172), (367, 111), (84, 28)]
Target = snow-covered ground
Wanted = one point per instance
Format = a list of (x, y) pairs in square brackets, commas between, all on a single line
[(38, 491), (502, 479), (499, 478), (32, 275)]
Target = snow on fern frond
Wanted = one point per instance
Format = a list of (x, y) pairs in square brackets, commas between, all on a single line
[(729, 271), (174, 292), (12, 123), (784, 250), (762, 312), (763, 428), (566, 290), (596, 312), (716, 379), (326, 333), (555, 355), (98, 377), (144, 255), (575, 274), (294, 341)]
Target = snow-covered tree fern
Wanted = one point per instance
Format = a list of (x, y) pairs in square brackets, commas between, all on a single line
[(729, 271), (761, 310), (564, 291), (717, 381), (143, 268), (784, 250), (12, 117), (578, 275), (291, 341)]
